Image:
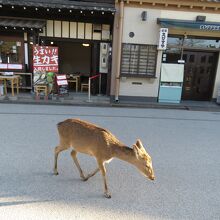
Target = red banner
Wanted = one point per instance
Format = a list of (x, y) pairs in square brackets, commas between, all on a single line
[(45, 59)]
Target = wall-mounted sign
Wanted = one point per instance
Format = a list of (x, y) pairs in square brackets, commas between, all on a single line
[(163, 39), (3, 66), (11, 66), (15, 66), (104, 56), (186, 24), (45, 59)]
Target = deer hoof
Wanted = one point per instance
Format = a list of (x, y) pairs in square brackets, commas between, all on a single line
[(84, 179), (55, 172), (107, 195)]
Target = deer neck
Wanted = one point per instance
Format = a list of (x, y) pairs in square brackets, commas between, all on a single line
[(124, 153)]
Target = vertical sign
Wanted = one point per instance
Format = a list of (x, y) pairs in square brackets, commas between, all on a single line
[(163, 39), (104, 58), (45, 59)]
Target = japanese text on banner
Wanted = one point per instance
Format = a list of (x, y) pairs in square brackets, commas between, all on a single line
[(45, 59)]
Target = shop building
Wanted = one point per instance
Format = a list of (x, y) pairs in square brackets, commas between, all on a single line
[(118, 40), (82, 31), (193, 39)]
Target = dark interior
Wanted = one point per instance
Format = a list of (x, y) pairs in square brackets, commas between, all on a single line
[(74, 58)]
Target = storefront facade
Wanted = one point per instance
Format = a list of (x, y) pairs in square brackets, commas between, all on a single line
[(193, 37), (119, 40), (82, 30)]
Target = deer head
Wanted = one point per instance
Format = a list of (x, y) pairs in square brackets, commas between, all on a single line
[(143, 160)]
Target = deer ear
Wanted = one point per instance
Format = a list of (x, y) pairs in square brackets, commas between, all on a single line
[(136, 150), (139, 144)]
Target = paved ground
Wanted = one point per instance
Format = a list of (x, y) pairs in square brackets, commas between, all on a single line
[(81, 99), (184, 145)]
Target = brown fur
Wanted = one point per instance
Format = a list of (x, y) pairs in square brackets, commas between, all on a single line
[(90, 139)]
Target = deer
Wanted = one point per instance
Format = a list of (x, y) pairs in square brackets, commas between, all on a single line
[(85, 137)]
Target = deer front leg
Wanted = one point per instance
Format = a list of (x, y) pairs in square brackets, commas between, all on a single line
[(58, 149), (73, 154), (103, 171)]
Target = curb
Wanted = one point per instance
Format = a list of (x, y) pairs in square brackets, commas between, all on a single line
[(214, 108)]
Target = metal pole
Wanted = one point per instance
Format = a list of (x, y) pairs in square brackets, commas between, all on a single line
[(89, 92), (183, 41), (100, 82)]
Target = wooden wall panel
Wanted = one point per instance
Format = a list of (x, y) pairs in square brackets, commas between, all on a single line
[(88, 34), (76, 30), (81, 30), (50, 28), (73, 29), (65, 29)]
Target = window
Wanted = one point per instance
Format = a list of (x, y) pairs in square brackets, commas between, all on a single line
[(202, 43), (139, 60), (11, 52), (190, 41), (176, 41)]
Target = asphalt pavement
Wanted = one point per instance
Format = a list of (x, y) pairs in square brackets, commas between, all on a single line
[(184, 146)]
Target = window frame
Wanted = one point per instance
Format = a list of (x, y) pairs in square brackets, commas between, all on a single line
[(138, 74), (14, 38)]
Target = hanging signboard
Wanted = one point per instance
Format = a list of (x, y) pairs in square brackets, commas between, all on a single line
[(45, 64), (163, 39), (45, 59)]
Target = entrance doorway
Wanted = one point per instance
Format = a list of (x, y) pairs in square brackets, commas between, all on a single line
[(74, 57), (199, 75), (77, 57)]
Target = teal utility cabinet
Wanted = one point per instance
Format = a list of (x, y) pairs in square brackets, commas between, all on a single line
[(171, 82)]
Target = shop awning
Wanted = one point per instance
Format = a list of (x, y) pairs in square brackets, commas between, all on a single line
[(22, 23), (97, 5), (188, 24)]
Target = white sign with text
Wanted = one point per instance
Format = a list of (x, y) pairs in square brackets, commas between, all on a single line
[(163, 39)]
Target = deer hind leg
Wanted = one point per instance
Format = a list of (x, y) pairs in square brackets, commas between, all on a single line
[(103, 171), (92, 174), (58, 149), (84, 178)]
